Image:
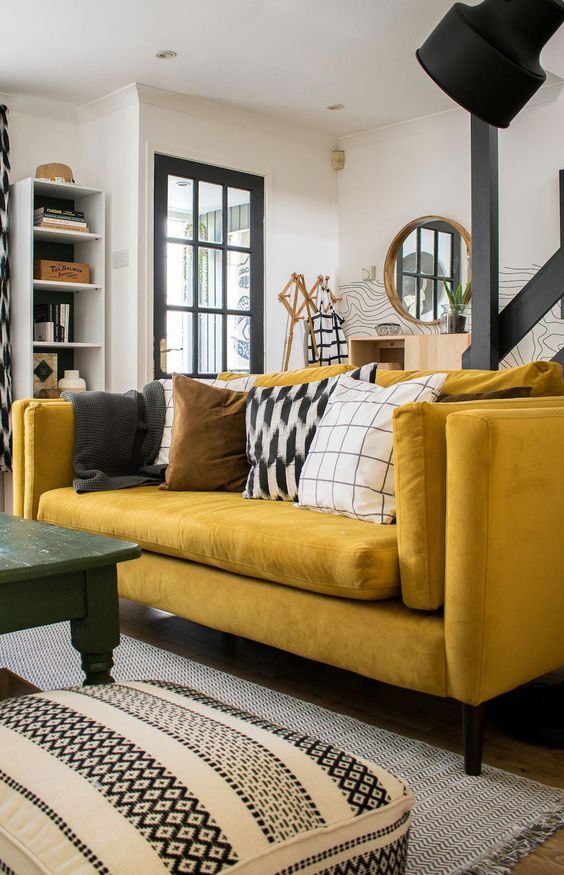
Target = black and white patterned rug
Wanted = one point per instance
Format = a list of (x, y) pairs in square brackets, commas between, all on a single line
[(461, 824)]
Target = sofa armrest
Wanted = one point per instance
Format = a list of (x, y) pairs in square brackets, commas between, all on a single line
[(43, 447), (504, 585)]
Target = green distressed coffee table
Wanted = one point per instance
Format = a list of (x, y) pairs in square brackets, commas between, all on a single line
[(49, 574)]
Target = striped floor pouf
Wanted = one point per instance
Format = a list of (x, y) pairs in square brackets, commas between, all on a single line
[(153, 778)]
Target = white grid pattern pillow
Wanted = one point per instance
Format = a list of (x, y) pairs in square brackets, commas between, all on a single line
[(238, 384), (349, 469)]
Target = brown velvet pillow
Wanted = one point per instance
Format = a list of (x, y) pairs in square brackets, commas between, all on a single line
[(208, 449), (515, 392)]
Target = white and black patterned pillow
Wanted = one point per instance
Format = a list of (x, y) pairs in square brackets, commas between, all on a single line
[(281, 424), (350, 467)]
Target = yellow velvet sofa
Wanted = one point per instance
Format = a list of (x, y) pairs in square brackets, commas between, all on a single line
[(463, 597)]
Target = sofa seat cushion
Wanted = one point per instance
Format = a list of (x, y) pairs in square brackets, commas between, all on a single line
[(158, 778), (265, 539)]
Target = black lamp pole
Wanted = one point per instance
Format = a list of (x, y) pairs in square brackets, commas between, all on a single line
[(487, 58), (483, 354)]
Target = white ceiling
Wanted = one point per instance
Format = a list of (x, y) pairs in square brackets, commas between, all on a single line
[(287, 59)]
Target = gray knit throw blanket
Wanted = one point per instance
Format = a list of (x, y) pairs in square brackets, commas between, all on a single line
[(117, 438)]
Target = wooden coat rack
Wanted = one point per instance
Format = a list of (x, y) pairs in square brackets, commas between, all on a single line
[(296, 298)]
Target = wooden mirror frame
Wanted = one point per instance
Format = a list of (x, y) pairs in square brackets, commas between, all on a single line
[(392, 257)]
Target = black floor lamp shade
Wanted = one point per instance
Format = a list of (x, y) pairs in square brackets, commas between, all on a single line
[(486, 57)]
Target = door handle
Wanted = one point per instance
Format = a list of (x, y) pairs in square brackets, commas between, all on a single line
[(163, 349)]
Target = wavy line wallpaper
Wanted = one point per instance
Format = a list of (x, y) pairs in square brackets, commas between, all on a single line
[(365, 303)]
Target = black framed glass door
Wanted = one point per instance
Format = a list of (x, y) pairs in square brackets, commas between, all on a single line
[(209, 265)]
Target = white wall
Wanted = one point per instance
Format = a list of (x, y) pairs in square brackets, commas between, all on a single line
[(38, 140), (300, 204), (109, 146), (415, 169), (385, 185)]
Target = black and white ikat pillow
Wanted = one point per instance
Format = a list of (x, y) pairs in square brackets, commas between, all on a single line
[(281, 424)]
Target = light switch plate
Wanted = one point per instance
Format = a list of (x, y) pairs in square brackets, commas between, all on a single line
[(120, 258)]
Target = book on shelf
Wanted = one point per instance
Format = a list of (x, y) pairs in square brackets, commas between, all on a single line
[(44, 332), (51, 323), (61, 226), (52, 220), (57, 213), (63, 220)]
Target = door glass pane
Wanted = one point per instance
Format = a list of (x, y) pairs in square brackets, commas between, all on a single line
[(444, 267), (210, 209), (210, 343), (179, 277), (179, 343), (238, 281), (238, 343), (427, 262), (238, 217), (180, 216), (210, 277)]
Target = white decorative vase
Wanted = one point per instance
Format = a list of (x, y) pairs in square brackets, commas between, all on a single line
[(72, 382)]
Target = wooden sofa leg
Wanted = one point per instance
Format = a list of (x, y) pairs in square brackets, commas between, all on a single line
[(473, 726)]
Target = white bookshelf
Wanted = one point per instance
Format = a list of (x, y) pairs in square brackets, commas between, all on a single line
[(86, 350)]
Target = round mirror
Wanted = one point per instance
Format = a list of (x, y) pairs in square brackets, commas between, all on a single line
[(426, 253)]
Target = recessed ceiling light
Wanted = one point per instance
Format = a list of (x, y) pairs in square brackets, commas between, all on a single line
[(182, 182), (335, 107), (165, 54)]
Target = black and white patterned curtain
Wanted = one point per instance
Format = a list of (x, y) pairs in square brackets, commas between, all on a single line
[(5, 369)]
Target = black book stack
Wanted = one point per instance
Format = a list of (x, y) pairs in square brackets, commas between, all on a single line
[(59, 220)]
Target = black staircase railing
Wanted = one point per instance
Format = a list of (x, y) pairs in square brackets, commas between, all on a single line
[(494, 333)]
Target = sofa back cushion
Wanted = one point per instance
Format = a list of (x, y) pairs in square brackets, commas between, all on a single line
[(292, 378), (544, 378), (420, 473)]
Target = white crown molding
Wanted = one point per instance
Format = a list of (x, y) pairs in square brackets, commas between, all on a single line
[(238, 118), (548, 93), (112, 102), (136, 92), (404, 129), (39, 106)]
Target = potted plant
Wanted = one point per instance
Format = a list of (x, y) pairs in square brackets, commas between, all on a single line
[(458, 300)]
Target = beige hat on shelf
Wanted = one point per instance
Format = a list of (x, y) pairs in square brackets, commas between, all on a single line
[(55, 172)]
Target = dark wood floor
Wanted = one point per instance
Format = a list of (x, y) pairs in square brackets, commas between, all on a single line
[(416, 715)]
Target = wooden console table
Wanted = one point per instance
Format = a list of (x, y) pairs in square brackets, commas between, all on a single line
[(410, 352)]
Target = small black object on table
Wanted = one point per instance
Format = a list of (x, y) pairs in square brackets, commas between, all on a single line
[(49, 574)]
